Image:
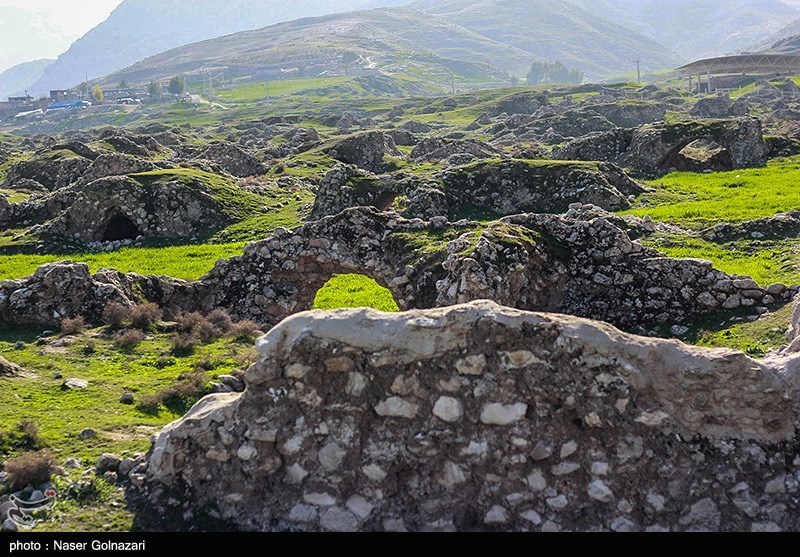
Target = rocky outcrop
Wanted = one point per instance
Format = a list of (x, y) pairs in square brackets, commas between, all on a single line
[(68, 290), (480, 417), (233, 160), (655, 149), (114, 164), (54, 170), (365, 150), (719, 106), (130, 144), (631, 114)]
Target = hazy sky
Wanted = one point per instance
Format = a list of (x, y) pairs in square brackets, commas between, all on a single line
[(34, 29)]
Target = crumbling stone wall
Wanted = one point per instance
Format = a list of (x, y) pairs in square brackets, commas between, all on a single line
[(480, 417), (587, 267)]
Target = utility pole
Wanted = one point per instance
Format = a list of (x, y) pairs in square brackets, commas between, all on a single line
[(638, 71), (267, 91)]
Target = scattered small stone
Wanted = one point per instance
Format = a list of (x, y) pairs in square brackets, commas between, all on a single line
[(126, 398), (107, 462), (74, 384), (86, 434)]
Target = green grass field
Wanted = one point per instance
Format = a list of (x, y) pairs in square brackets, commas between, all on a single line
[(354, 291), (257, 91), (766, 262), (123, 429), (183, 262), (698, 201)]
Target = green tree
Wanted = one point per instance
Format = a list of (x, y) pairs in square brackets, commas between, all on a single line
[(97, 94), (123, 84), (84, 89), (154, 89), (553, 73), (177, 85)]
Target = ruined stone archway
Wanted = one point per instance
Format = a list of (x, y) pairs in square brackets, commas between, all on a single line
[(120, 227)]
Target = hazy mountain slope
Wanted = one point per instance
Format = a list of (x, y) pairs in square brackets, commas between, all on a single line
[(15, 80), (556, 30), (791, 30), (141, 28), (393, 40), (698, 28), (788, 46)]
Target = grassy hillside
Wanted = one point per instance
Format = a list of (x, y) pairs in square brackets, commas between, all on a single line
[(557, 30), (393, 41)]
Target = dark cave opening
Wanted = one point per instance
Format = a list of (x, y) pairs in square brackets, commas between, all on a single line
[(120, 227)]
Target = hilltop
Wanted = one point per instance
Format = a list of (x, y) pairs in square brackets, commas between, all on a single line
[(396, 41), (141, 28), (480, 43)]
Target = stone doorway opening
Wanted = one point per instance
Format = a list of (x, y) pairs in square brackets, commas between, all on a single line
[(120, 227)]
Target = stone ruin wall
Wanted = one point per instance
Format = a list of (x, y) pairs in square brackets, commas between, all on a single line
[(479, 417)]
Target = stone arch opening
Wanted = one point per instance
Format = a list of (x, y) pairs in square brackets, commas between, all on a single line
[(385, 200), (697, 154), (120, 227), (354, 290)]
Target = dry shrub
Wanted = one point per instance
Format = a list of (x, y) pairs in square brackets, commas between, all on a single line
[(180, 396), (129, 339), (149, 403), (198, 325), (29, 469), (73, 326), (116, 315), (89, 348), (221, 320), (183, 344), (245, 331), (145, 316)]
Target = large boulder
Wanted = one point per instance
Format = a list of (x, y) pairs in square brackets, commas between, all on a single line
[(480, 417)]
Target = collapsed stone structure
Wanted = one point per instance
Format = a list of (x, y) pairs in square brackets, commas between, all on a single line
[(365, 150), (233, 160), (540, 262), (122, 208), (496, 187), (657, 148), (480, 417), (782, 225)]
